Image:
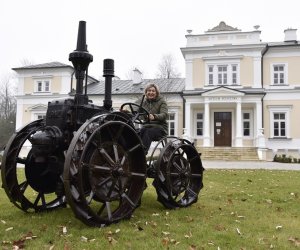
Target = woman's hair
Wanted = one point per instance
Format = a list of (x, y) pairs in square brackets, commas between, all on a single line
[(152, 85)]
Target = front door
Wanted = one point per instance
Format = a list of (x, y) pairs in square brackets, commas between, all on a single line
[(222, 129)]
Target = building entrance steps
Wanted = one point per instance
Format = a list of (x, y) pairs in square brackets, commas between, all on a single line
[(228, 153)]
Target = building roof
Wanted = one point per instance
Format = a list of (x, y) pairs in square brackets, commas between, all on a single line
[(123, 87), (45, 66)]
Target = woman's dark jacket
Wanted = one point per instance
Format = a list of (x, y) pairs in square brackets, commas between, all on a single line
[(159, 108)]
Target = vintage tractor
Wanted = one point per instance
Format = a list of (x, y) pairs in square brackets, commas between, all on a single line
[(92, 158)]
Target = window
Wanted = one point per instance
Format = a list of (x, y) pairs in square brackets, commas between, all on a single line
[(42, 86), (279, 121), (246, 124), (199, 124), (279, 74), (37, 116), (234, 74), (210, 75), (41, 116), (222, 74), (171, 123)]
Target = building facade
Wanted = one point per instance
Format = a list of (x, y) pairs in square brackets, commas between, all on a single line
[(239, 92), (242, 92)]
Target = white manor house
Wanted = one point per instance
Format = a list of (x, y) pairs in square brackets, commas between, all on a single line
[(240, 94)]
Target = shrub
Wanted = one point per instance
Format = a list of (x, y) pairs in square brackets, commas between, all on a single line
[(284, 159)]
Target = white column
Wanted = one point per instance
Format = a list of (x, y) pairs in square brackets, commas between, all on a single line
[(260, 141), (187, 128), (238, 134), (206, 137), (258, 117), (260, 137)]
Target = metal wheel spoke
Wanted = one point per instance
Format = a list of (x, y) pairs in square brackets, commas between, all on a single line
[(134, 148), (94, 143), (90, 197), (108, 209), (177, 167), (97, 167), (177, 183), (182, 164), (165, 158), (116, 153), (111, 188), (137, 174), (104, 181), (100, 211), (175, 174), (43, 200), (196, 175), (39, 196), (23, 186), (123, 160), (119, 186), (131, 203), (106, 156), (161, 176), (21, 160), (190, 191)]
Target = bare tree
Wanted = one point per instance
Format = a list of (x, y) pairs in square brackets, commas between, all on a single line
[(7, 98), (167, 68), (7, 109), (26, 62)]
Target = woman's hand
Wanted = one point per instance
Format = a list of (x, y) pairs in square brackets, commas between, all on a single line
[(151, 117)]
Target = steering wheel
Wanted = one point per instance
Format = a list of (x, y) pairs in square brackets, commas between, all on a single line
[(139, 114)]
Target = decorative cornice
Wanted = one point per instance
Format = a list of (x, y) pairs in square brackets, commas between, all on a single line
[(223, 27)]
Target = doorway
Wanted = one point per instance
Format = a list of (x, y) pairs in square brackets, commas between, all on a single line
[(222, 129)]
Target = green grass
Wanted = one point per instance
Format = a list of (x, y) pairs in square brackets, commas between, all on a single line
[(237, 209)]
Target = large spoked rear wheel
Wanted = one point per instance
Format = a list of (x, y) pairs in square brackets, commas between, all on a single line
[(179, 174), (105, 173), (29, 182)]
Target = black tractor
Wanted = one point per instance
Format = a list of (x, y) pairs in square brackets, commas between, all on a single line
[(92, 157)]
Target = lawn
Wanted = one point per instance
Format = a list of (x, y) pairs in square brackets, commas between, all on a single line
[(237, 209)]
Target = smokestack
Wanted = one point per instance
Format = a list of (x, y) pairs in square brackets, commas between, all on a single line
[(108, 73), (81, 59)]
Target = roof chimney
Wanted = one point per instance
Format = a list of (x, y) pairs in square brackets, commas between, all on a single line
[(137, 76), (290, 35)]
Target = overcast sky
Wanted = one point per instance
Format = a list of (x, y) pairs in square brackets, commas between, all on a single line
[(135, 33)]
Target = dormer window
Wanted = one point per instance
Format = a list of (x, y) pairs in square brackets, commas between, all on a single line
[(42, 86)]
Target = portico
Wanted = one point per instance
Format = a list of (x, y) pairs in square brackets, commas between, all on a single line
[(224, 117)]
